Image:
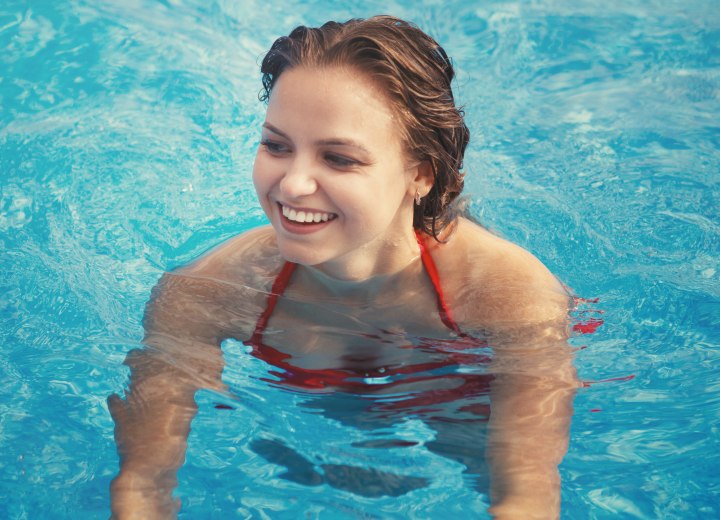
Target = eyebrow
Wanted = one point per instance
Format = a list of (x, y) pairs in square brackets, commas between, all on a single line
[(321, 142)]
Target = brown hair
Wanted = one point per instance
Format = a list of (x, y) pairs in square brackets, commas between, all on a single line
[(416, 74)]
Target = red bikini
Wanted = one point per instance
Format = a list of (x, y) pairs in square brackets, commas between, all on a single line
[(349, 380)]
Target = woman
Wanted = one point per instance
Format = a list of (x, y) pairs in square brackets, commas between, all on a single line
[(357, 171)]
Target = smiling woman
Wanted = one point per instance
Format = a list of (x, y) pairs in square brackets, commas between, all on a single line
[(372, 286), (331, 149)]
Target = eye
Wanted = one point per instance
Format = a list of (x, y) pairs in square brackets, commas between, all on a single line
[(274, 147), (340, 161)]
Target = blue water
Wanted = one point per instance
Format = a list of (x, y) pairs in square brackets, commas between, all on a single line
[(127, 133)]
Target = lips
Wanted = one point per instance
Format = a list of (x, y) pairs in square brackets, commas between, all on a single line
[(304, 220), (305, 215)]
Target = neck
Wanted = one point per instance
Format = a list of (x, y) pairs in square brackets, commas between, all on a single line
[(369, 275), (377, 258), (357, 292)]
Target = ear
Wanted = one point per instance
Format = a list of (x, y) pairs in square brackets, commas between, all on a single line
[(423, 178)]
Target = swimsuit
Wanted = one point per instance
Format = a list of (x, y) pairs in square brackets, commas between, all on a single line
[(355, 382), (283, 278)]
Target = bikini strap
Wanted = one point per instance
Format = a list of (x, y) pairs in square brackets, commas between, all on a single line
[(283, 278), (277, 290), (432, 272)]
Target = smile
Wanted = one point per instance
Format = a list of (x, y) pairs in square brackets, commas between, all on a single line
[(305, 216)]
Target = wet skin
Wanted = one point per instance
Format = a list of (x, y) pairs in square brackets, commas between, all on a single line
[(331, 149)]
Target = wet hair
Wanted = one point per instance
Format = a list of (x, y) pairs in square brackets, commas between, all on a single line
[(415, 73)]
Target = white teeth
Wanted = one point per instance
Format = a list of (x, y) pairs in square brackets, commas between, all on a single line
[(305, 216)]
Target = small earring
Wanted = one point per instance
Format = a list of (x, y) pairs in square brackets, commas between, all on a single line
[(417, 198)]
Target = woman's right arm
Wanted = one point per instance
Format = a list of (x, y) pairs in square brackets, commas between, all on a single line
[(152, 424)]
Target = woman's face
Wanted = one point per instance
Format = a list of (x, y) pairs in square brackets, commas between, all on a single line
[(331, 174)]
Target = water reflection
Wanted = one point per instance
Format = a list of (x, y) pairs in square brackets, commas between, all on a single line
[(496, 407)]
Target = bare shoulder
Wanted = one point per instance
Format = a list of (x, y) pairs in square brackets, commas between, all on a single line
[(218, 295), (493, 282), (250, 257)]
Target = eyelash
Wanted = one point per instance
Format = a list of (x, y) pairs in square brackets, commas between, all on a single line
[(273, 147), (334, 159), (340, 161)]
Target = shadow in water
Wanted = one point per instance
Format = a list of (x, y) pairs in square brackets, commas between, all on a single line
[(366, 482)]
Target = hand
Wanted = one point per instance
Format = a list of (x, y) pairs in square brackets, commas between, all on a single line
[(133, 497), (510, 509)]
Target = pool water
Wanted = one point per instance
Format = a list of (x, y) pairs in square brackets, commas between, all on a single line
[(127, 134)]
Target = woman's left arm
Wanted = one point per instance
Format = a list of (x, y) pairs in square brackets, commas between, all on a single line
[(531, 408), (518, 304)]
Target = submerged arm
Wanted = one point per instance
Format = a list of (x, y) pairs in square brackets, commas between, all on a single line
[(531, 409), (152, 424)]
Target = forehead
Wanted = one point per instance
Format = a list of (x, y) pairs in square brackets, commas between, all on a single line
[(343, 99)]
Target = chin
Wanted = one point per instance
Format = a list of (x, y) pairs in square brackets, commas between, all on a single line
[(303, 255)]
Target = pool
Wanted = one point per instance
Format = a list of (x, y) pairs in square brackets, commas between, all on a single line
[(127, 133)]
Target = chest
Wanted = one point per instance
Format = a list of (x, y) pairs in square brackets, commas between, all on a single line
[(359, 338)]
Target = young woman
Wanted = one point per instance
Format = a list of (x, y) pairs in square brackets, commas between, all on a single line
[(357, 171)]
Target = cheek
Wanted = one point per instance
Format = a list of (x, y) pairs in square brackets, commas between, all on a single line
[(262, 174), (372, 203)]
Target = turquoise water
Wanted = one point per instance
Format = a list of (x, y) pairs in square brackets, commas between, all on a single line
[(127, 133)]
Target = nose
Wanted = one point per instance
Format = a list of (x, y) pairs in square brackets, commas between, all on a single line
[(298, 180)]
